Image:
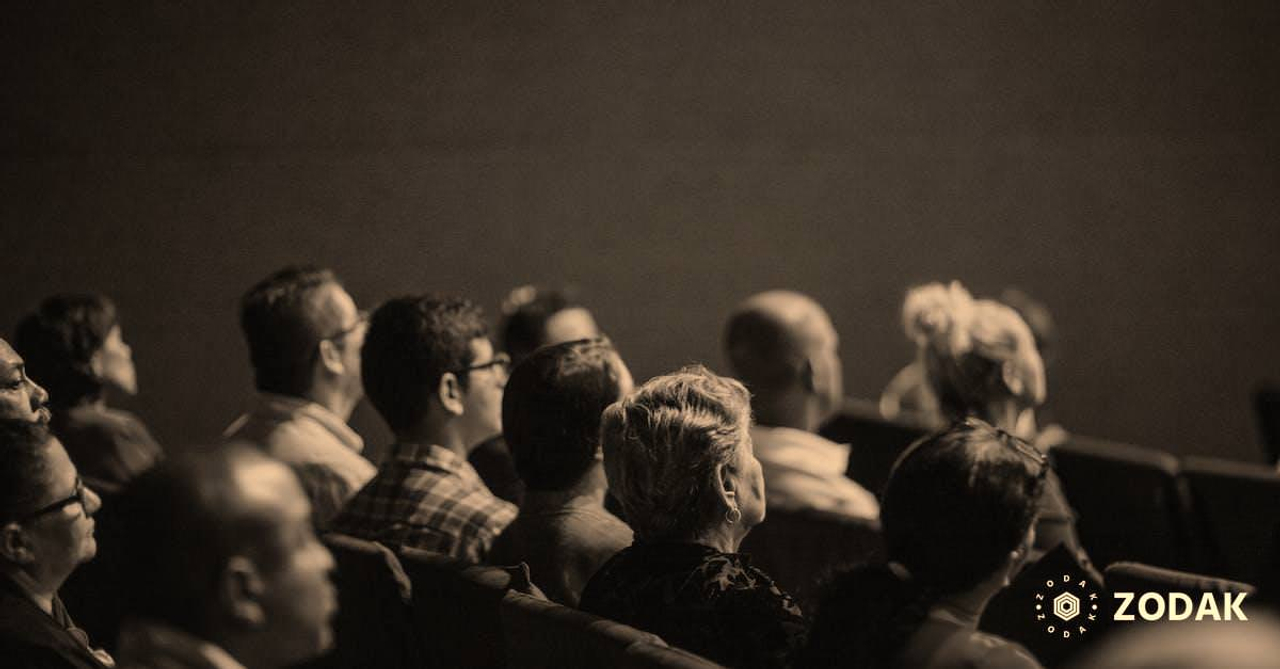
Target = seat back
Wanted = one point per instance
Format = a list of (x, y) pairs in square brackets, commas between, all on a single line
[(798, 549), (1130, 503), (874, 442), (655, 656), (373, 626), (1138, 577), (541, 634), (457, 608), (1236, 506)]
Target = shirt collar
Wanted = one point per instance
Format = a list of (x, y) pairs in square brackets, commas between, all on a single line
[(162, 645), (286, 407)]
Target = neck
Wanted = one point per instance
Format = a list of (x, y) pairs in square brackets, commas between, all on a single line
[(333, 399), (438, 433), (722, 537), (965, 607), (590, 489), (41, 594), (786, 409)]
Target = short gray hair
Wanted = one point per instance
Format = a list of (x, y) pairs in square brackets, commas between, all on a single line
[(662, 444)]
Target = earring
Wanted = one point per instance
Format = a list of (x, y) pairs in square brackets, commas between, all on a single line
[(733, 515)]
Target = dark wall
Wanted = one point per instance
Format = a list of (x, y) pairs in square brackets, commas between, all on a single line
[(1117, 160)]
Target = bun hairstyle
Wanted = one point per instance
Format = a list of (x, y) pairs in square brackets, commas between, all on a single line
[(957, 504), (963, 344)]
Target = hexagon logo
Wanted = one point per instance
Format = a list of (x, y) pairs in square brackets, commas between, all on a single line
[(1066, 606)]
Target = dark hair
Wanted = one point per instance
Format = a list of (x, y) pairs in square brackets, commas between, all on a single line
[(58, 342), (178, 524), (23, 466), (551, 410), (282, 327), (956, 504), (525, 313), (411, 343)]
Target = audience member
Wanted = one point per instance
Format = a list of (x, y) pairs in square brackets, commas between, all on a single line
[(47, 532), (980, 360), (304, 335), (531, 318), (783, 346), (73, 343), (551, 419), (958, 519), (20, 397), (222, 568), (431, 372), (678, 456)]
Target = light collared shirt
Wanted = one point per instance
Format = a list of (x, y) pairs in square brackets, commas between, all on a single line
[(305, 434), (152, 645), (426, 496), (803, 470)]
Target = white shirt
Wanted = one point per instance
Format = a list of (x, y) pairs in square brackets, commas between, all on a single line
[(803, 470)]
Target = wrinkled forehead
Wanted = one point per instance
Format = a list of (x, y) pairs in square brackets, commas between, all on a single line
[(9, 358)]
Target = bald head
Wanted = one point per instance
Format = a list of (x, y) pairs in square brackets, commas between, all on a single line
[(770, 336)]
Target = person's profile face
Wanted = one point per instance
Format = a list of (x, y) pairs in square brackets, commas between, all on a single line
[(20, 397), (349, 331), (61, 529), (299, 598), (115, 362), (829, 368), (482, 400)]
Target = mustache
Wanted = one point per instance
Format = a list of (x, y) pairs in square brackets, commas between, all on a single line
[(43, 412)]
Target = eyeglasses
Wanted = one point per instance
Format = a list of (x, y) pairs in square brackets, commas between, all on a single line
[(79, 496), (362, 319), (501, 360)]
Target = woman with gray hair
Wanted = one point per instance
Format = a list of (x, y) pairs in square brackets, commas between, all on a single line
[(678, 457)]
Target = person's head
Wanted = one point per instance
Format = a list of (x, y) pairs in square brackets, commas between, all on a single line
[(957, 516), (20, 397), (219, 543), (533, 317), (428, 361), (782, 344), (977, 354), (304, 334), (74, 345), (46, 511), (1038, 317), (678, 457), (551, 410)]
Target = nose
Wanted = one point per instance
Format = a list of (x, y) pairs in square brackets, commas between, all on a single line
[(39, 395), (92, 502)]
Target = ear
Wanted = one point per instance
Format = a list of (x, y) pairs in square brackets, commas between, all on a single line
[(240, 589), (96, 366), (726, 486), (1012, 378), (331, 357), (809, 375), (450, 393), (14, 545)]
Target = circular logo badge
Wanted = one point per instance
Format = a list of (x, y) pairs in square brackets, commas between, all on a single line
[(1067, 607)]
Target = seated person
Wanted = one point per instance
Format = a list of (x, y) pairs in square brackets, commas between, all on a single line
[(20, 397), (431, 372), (959, 520), (73, 343), (47, 532), (531, 318), (222, 566), (304, 335), (551, 419), (980, 360), (783, 347), (678, 456)]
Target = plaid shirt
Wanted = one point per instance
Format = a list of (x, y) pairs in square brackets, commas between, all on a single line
[(427, 497)]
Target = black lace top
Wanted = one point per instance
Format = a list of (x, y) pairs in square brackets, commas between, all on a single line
[(699, 599)]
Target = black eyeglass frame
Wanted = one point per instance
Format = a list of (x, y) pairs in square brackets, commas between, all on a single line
[(498, 359), (79, 495)]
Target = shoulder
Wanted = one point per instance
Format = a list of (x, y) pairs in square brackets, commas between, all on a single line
[(980, 650)]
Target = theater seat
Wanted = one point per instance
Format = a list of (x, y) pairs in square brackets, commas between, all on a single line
[(1130, 503), (799, 548), (655, 656), (540, 634), (457, 608), (1138, 577), (373, 626), (1236, 506), (874, 442)]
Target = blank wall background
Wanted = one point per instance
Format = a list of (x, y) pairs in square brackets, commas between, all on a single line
[(1119, 161)]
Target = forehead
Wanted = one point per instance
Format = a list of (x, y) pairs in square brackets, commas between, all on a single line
[(60, 472), (8, 357), (272, 490)]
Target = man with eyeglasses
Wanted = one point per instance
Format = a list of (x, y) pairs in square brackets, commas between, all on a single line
[(304, 335), (47, 531), (431, 372)]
